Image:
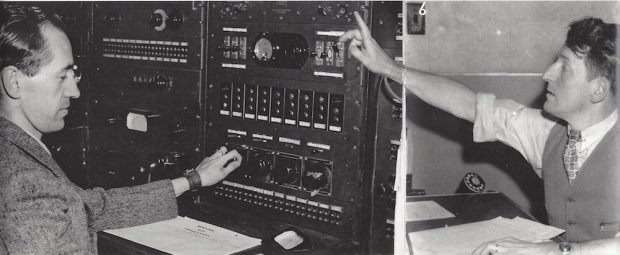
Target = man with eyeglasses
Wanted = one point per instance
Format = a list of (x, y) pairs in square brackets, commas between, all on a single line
[(41, 210)]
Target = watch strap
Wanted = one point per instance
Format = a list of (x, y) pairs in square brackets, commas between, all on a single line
[(193, 177)]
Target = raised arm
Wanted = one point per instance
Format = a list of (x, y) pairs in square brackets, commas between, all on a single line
[(441, 92)]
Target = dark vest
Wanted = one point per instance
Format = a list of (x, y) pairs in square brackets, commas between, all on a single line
[(588, 209)]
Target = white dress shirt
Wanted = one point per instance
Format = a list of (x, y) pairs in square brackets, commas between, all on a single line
[(526, 129)]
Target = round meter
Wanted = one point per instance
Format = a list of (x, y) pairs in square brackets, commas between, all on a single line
[(263, 50), (280, 50)]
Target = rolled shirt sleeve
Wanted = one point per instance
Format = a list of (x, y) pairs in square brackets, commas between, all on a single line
[(522, 128)]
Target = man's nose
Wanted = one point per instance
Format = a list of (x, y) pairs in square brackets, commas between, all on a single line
[(72, 90), (551, 73)]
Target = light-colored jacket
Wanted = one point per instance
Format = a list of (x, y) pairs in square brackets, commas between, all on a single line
[(43, 212)]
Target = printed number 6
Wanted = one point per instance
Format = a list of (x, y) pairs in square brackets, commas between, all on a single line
[(422, 11)]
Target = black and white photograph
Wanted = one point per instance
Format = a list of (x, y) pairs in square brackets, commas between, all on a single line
[(511, 113), (189, 127), (309, 127)]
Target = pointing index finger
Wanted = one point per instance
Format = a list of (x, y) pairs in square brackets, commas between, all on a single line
[(363, 28)]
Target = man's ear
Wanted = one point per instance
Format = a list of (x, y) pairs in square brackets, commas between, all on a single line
[(10, 81), (601, 88)]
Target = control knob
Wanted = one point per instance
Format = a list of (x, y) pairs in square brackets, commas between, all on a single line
[(323, 10), (260, 164), (286, 174), (158, 20), (317, 177)]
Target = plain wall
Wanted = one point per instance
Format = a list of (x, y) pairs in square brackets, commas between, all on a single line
[(498, 47)]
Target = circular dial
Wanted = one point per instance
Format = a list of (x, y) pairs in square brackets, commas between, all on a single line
[(317, 176), (280, 50), (263, 50), (287, 171), (260, 164)]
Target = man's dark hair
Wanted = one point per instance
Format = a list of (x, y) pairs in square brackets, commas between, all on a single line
[(21, 40), (596, 41)]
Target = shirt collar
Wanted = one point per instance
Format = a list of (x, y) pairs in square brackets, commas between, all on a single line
[(600, 129), (38, 140)]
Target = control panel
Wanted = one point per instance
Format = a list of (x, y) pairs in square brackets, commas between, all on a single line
[(167, 83), (282, 91), (163, 34), (145, 104)]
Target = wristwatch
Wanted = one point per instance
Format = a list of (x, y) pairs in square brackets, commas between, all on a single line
[(193, 177), (565, 247)]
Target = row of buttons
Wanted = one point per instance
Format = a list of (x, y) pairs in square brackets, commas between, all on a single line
[(289, 204), (165, 51), (136, 41), (147, 50), (303, 108), (145, 81), (158, 59), (281, 195)]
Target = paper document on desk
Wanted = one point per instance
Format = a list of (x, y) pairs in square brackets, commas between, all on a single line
[(185, 236), (464, 239), (426, 210)]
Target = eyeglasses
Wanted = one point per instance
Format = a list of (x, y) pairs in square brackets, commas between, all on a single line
[(77, 74)]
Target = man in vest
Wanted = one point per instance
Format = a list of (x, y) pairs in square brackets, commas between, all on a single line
[(576, 154)]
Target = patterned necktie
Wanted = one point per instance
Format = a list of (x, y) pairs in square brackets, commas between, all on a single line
[(571, 159)]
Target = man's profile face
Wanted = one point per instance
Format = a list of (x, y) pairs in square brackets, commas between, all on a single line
[(44, 97), (568, 88)]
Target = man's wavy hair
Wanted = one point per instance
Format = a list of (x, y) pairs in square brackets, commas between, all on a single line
[(21, 41), (595, 40)]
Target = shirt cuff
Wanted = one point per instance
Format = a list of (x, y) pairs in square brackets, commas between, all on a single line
[(484, 129)]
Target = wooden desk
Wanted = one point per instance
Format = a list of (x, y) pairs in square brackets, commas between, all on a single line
[(244, 223)]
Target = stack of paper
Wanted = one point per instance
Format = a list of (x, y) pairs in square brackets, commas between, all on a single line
[(464, 239), (185, 236)]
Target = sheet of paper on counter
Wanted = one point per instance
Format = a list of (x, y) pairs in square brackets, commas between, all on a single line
[(465, 238), (186, 236)]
